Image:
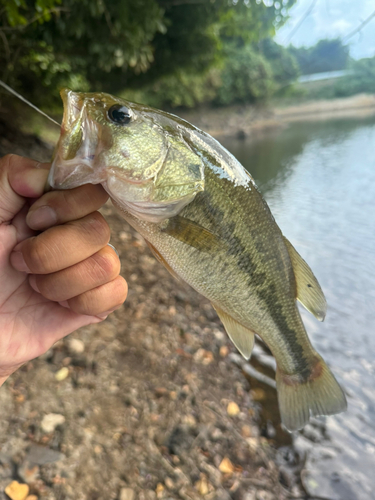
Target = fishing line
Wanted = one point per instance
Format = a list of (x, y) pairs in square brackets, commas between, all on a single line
[(9, 89)]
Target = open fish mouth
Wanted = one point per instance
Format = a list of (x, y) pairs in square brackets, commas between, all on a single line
[(74, 162)]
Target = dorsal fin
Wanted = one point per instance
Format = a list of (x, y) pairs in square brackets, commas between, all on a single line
[(242, 337), (309, 292)]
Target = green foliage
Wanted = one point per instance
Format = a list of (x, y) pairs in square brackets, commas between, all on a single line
[(326, 55), (164, 46), (361, 79), (182, 89), (246, 77), (284, 65)]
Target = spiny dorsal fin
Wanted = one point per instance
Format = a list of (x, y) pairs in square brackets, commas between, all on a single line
[(192, 234), (242, 337), (309, 292)]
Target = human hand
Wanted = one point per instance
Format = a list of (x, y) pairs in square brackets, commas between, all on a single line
[(56, 281)]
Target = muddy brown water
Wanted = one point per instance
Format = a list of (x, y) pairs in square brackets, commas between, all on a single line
[(319, 180)]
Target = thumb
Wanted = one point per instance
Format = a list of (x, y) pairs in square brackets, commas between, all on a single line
[(20, 178)]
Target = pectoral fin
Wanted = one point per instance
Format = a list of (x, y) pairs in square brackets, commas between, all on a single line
[(192, 234), (161, 259), (242, 337), (309, 292)]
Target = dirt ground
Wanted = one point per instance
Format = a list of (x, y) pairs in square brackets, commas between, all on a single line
[(146, 405)]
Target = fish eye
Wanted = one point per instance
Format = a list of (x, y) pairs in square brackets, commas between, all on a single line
[(120, 115)]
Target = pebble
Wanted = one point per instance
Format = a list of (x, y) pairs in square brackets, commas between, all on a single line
[(226, 466), (264, 495), (126, 494), (62, 374), (233, 409), (224, 351), (246, 431), (41, 455), (203, 486), (76, 346), (159, 490), (28, 472), (51, 421), (203, 356), (17, 491), (169, 483)]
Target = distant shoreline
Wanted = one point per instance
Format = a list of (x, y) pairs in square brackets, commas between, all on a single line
[(247, 120)]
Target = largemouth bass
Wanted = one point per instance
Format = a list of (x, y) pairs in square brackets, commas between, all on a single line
[(205, 220)]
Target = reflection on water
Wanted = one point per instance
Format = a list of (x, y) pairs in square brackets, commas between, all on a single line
[(319, 180)]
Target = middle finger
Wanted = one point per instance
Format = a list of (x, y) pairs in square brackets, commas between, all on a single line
[(62, 246)]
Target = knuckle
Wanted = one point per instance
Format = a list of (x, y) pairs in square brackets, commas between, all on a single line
[(38, 256), (108, 264), (97, 227)]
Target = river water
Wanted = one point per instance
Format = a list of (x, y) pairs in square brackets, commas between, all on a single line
[(319, 180)]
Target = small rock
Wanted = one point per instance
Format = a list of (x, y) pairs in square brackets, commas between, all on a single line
[(41, 455), (76, 346), (246, 431), (17, 491), (51, 421), (250, 495), (224, 351), (203, 356), (203, 486), (159, 490), (189, 420), (28, 472), (226, 466), (161, 391), (169, 483), (233, 409), (62, 374), (126, 494), (264, 495)]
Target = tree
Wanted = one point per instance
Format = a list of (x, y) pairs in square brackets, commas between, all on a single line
[(246, 77), (117, 44), (326, 55), (284, 65)]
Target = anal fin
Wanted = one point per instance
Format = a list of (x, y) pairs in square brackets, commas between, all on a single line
[(309, 292), (242, 337)]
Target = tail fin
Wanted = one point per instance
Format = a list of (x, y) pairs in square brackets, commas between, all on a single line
[(319, 395)]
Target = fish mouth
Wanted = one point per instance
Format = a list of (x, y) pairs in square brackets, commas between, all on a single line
[(74, 162), (73, 104)]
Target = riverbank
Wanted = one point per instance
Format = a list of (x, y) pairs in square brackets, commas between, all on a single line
[(248, 120), (146, 405)]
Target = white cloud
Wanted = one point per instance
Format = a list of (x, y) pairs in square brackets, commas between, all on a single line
[(332, 19)]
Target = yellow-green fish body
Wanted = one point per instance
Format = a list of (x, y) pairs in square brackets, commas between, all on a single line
[(206, 221)]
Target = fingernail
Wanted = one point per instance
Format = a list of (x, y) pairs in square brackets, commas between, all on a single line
[(18, 262), (41, 218), (32, 283), (105, 314)]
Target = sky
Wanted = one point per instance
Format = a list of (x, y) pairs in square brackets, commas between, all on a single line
[(331, 19)]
